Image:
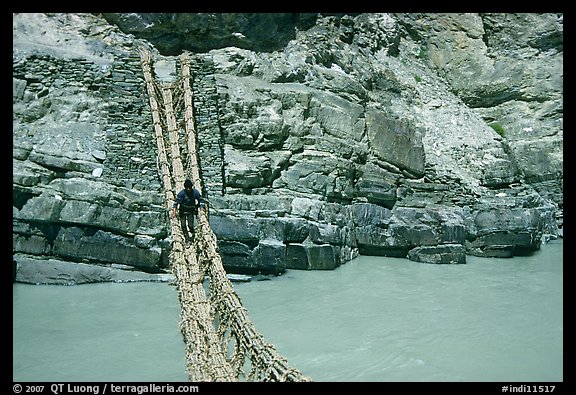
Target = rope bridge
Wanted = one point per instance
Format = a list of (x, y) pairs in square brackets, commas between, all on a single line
[(221, 341)]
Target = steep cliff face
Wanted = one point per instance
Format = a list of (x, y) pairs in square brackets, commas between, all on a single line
[(424, 136)]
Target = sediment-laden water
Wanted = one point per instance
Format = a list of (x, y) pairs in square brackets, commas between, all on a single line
[(372, 319)]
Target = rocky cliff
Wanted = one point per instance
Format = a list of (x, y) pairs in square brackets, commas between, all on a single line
[(425, 136)]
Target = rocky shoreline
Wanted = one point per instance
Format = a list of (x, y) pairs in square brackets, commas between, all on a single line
[(31, 270)]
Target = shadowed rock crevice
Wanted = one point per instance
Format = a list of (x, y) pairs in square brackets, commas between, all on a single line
[(173, 33)]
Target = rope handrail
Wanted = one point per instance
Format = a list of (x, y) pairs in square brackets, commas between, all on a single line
[(222, 343)]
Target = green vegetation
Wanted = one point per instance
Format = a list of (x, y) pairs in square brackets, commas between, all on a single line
[(497, 128), (417, 78), (423, 54)]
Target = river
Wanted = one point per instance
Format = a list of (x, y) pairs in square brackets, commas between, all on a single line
[(374, 319)]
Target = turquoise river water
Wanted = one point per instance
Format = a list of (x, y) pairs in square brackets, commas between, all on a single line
[(372, 319)]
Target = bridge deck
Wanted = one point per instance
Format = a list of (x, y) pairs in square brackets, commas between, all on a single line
[(222, 343)]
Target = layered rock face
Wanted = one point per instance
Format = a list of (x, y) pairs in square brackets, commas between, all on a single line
[(429, 137)]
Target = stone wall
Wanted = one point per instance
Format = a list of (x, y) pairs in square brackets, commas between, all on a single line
[(85, 183)]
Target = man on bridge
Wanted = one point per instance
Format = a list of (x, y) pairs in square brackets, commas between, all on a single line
[(188, 201)]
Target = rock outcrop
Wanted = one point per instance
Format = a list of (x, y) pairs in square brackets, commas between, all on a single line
[(425, 136)]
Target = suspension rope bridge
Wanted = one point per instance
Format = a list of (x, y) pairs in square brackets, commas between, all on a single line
[(222, 343)]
